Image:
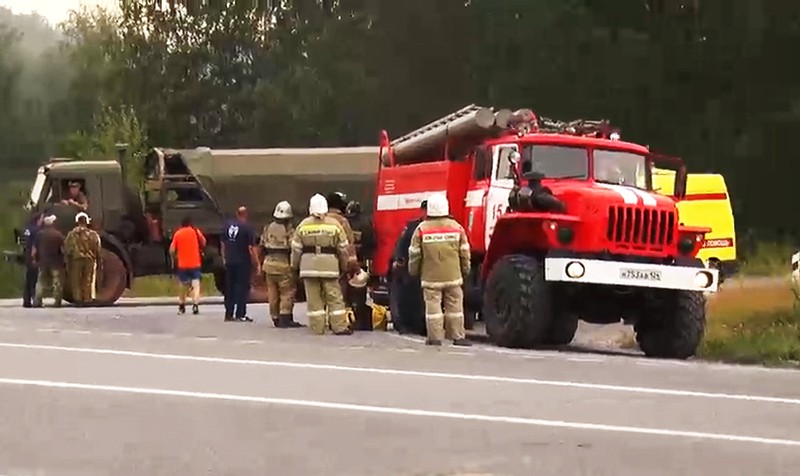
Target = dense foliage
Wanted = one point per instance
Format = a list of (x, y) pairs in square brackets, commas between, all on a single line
[(709, 80)]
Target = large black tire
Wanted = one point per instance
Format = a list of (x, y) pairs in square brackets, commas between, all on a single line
[(562, 329), (674, 329), (258, 289), (517, 304)]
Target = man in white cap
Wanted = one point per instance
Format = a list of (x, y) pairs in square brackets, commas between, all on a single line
[(81, 251), (276, 245), (440, 255), (49, 260), (319, 257)]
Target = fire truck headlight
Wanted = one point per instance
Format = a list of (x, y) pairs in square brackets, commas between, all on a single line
[(575, 270), (565, 235), (686, 245), (703, 279)]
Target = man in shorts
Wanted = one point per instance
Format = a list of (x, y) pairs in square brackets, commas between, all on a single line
[(186, 249)]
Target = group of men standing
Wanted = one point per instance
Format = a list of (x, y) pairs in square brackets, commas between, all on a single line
[(324, 251), (330, 251), (50, 257)]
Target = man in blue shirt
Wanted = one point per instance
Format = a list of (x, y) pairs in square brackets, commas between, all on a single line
[(406, 303), (31, 271), (240, 255)]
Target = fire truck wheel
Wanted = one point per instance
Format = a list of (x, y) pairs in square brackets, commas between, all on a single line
[(674, 329), (562, 329), (517, 305)]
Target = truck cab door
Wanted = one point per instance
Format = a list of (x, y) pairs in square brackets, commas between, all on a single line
[(475, 200), (501, 183)]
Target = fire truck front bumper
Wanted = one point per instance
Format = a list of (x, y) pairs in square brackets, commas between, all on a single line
[(616, 273)]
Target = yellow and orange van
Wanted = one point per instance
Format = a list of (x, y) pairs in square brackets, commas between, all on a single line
[(708, 204)]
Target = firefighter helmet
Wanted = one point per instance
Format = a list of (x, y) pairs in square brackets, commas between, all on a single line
[(282, 210), (438, 206), (317, 206)]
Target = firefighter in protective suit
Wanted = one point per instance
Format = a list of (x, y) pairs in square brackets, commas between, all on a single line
[(319, 257), (337, 204), (440, 255), (276, 245), (355, 296)]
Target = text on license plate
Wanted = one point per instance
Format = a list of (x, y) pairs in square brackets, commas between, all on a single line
[(640, 274)]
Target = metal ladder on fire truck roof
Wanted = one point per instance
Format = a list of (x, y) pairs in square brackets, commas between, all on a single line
[(437, 123)]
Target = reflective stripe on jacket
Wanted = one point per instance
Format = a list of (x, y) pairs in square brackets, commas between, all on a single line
[(439, 253), (319, 248)]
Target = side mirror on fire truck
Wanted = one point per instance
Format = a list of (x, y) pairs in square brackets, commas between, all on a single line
[(514, 158)]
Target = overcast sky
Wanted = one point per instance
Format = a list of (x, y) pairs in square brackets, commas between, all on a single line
[(54, 10)]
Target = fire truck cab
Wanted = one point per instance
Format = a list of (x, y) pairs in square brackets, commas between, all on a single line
[(563, 225)]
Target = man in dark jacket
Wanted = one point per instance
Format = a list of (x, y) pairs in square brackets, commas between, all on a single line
[(49, 259), (405, 294), (31, 270), (365, 244)]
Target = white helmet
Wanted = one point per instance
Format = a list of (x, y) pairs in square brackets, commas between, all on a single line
[(438, 206), (317, 206), (359, 280), (282, 210), (82, 215)]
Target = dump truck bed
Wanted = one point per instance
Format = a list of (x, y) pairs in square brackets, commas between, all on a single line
[(260, 178)]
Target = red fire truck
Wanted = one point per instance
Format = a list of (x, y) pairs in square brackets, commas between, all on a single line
[(563, 224)]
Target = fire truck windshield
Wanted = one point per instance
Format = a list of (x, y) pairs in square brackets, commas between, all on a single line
[(556, 161), (622, 168)]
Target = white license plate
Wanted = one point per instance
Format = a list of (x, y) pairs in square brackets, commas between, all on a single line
[(640, 274)]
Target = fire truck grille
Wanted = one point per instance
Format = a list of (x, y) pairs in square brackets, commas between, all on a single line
[(640, 228)]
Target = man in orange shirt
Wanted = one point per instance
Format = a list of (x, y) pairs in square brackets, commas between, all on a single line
[(186, 248)]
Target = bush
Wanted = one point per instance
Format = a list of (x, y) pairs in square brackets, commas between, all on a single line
[(767, 258)]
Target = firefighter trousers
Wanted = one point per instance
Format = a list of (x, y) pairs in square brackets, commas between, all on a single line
[(450, 323), (280, 294), (324, 298)]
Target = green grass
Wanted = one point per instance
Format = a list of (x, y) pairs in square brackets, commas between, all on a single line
[(753, 325), (160, 286)]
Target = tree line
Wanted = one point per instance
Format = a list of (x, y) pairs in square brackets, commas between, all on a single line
[(708, 80)]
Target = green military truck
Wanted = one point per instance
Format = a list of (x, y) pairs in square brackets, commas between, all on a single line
[(204, 184)]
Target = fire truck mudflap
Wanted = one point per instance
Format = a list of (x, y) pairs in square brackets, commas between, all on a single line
[(617, 273)]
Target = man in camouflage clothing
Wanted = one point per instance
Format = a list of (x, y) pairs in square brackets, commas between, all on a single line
[(81, 252), (276, 244), (47, 257), (440, 255)]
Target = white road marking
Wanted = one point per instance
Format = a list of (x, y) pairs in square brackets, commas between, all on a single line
[(46, 330), (585, 359), (414, 373), (251, 342), (121, 334), (404, 411), (77, 332), (418, 340)]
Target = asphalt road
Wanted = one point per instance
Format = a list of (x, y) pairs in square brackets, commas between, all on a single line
[(140, 390)]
